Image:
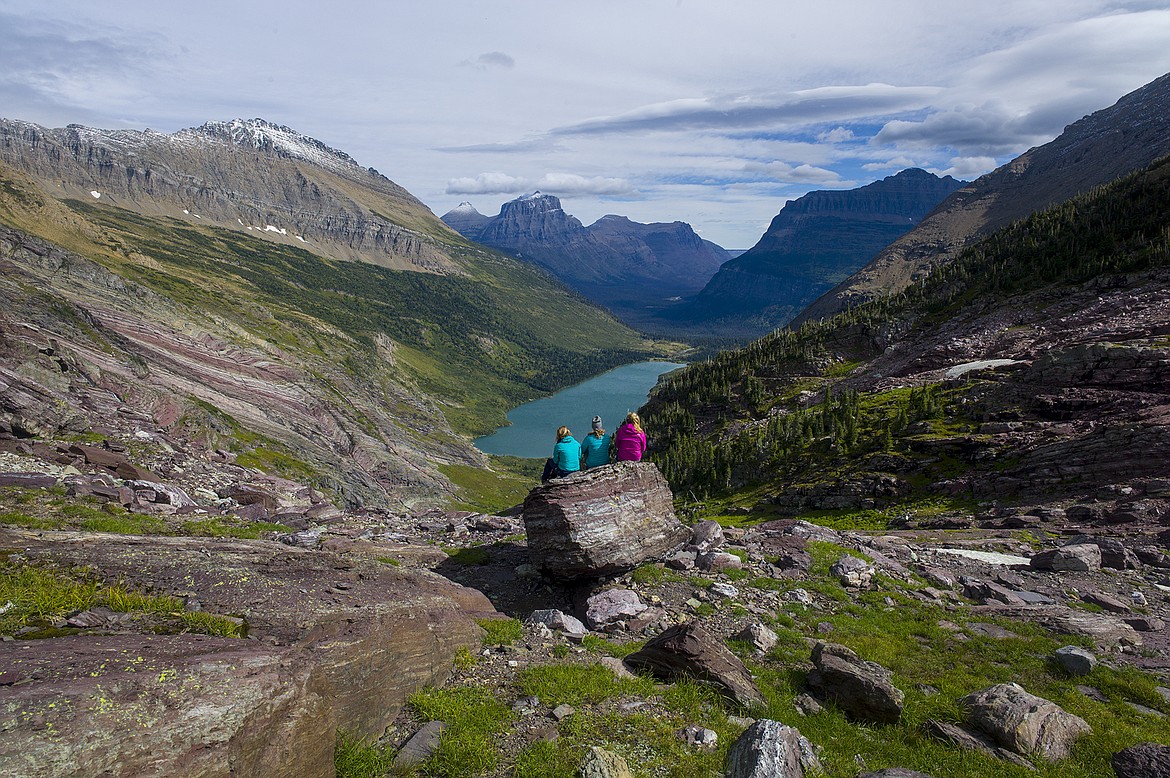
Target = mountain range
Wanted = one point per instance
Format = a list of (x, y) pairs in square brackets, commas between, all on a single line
[(249, 290), (814, 242), (630, 268), (1090, 152)]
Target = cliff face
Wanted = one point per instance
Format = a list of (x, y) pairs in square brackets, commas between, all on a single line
[(814, 242), (251, 176), (1090, 152), (624, 265)]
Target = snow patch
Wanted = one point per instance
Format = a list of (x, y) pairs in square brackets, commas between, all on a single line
[(983, 364), (281, 230), (990, 557), (95, 194)]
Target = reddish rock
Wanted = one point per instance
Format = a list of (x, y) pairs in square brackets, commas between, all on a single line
[(689, 651), (601, 521), (163, 705), (28, 480), (372, 633)]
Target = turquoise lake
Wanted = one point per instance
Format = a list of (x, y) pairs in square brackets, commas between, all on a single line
[(610, 395)]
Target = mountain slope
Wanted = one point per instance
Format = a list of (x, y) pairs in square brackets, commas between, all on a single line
[(813, 243), (1091, 151), (360, 378), (1034, 367), (624, 265)]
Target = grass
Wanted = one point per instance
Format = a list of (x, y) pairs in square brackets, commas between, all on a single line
[(41, 599), (475, 555), (502, 485), (501, 632), (473, 717)]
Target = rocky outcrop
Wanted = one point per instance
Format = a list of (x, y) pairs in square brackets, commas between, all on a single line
[(862, 689), (689, 651), (1023, 722), (769, 749), (333, 642), (601, 521)]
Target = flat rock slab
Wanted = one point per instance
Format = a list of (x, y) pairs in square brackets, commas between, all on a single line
[(601, 521), (374, 633), (162, 705), (1107, 632)]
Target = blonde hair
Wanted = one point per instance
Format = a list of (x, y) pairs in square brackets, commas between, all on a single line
[(562, 433), (633, 418), (598, 433)]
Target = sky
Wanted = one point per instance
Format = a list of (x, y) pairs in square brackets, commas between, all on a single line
[(712, 112)]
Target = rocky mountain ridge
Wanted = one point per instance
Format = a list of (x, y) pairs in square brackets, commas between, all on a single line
[(1092, 151), (624, 265), (813, 243), (252, 176)]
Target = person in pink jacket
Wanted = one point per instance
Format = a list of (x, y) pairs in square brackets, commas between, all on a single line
[(630, 440)]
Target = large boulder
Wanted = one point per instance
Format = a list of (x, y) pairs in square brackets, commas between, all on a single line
[(860, 688), (769, 749), (689, 651), (1023, 722), (601, 521), (358, 634)]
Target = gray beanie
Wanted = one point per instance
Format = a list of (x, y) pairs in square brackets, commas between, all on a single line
[(596, 422)]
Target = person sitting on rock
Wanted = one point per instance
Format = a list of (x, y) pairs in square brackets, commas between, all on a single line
[(595, 446), (630, 440), (566, 456)]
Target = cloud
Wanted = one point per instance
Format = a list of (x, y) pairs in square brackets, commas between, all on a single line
[(798, 174), (491, 59), (836, 135), (552, 183), (823, 104), (969, 168)]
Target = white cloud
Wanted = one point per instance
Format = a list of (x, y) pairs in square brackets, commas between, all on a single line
[(551, 183), (836, 135), (969, 168)]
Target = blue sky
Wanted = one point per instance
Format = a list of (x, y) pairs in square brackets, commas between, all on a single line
[(713, 112)]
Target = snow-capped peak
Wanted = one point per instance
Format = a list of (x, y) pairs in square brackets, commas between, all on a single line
[(266, 136)]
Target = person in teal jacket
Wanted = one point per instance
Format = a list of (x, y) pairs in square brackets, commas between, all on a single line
[(566, 456), (595, 446)]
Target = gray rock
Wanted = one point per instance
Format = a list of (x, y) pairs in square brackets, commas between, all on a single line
[(861, 689), (700, 737), (1023, 722), (1114, 554), (706, 536), (1146, 623), (604, 520), (725, 590), (689, 651), (420, 745), (853, 572), (555, 619), (1145, 760), (986, 592), (599, 763), (1082, 557), (681, 560), (1075, 660), (769, 749), (562, 712), (761, 638), (612, 605)]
